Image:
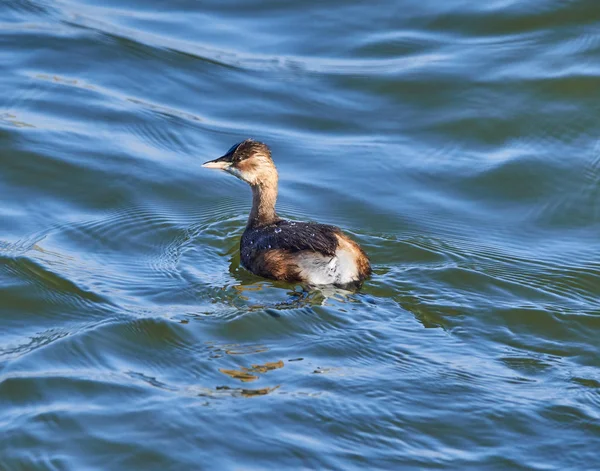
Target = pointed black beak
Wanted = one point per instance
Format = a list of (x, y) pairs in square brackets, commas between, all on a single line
[(222, 163)]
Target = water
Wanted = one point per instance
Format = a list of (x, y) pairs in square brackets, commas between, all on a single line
[(457, 141)]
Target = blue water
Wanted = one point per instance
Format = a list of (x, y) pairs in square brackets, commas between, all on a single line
[(458, 142)]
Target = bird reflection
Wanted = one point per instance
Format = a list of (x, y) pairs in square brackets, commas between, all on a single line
[(298, 295), (247, 375)]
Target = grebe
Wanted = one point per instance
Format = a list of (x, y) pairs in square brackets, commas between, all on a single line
[(271, 247)]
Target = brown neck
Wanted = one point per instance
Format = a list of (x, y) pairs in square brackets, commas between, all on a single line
[(264, 196)]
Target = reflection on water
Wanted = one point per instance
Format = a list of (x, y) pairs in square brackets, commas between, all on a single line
[(242, 392), (13, 120), (217, 351), (297, 296), (248, 374)]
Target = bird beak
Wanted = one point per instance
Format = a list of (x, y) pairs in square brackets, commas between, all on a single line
[(222, 163)]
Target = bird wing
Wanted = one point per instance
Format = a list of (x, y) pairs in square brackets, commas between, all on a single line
[(293, 237)]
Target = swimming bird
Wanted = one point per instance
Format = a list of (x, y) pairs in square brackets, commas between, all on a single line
[(280, 249)]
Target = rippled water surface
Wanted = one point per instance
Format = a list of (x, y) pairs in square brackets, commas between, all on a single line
[(458, 142)]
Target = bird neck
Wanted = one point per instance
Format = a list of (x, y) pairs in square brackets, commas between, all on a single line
[(264, 196)]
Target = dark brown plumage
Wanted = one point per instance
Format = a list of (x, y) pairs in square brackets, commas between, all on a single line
[(288, 250)]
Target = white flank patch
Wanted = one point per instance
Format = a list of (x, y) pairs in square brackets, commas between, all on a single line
[(347, 267), (318, 269)]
